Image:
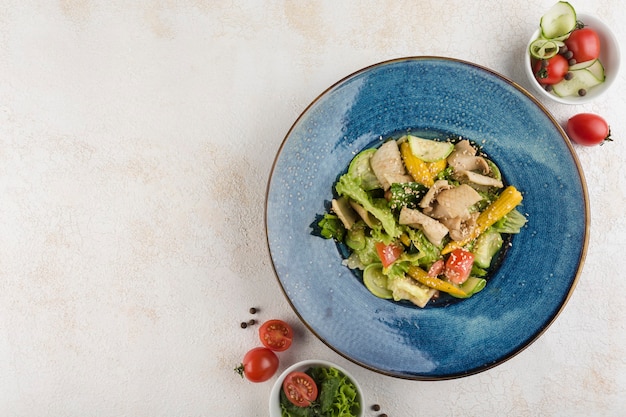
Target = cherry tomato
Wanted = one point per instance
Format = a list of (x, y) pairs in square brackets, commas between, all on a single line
[(276, 335), (388, 253), (584, 44), (459, 266), (552, 70), (300, 389), (436, 268), (259, 365), (588, 129)]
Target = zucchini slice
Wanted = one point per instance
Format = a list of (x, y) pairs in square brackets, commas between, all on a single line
[(376, 281), (429, 150), (558, 22), (585, 76)]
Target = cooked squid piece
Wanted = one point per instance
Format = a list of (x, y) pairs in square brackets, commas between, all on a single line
[(388, 166)]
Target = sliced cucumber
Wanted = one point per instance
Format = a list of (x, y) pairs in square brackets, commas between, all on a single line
[(470, 287), (494, 170), (376, 281), (544, 48), (487, 245), (559, 21), (429, 150), (473, 285), (594, 66), (585, 75), (360, 168)]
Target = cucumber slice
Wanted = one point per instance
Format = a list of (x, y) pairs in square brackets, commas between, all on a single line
[(376, 281), (544, 48), (594, 66), (585, 76), (473, 285), (360, 168), (487, 245), (495, 171), (429, 150), (559, 21)]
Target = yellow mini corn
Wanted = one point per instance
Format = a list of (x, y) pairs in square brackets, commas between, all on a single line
[(422, 172), (405, 239), (506, 202), (422, 277)]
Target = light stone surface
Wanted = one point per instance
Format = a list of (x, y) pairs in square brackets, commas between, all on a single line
[(136, 141)]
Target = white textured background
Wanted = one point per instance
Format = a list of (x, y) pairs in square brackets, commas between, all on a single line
[(136, 140)]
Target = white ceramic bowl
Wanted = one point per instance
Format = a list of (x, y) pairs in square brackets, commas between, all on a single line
[(609, 56), (301, 367)]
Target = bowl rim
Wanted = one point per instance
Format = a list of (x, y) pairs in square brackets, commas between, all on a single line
[(585, 206), (598, 91), (274, 402)]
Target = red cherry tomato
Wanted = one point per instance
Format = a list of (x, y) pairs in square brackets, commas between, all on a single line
[(300, 389), (276, 335), (436, 268), (259, 365), (584, 44), (588, 129), (388, 253), (552, 70), (459, 266)]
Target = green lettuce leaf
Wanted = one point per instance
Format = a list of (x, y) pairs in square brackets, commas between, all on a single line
[(511, 223), (350, 187), (331, 227)]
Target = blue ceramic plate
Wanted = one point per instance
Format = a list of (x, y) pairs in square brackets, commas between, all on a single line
[(433, 97)]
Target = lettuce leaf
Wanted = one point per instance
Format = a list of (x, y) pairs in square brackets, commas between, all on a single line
[(330, 227), (350, 187), (429, 253), (337, 394), (511, 223)]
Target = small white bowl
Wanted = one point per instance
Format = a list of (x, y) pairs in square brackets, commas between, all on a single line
[(302, 366), (609, 56)]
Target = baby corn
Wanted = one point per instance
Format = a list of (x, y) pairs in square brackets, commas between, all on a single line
[(422, 277), (422, 172), (508, 200)]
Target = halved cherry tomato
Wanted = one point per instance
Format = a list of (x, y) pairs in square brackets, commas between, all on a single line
[(300, 389), (459, 266), (436, 268), (259, 365), (551, 71), (588, 129), (584, 44), (276, 335), (388, 253)]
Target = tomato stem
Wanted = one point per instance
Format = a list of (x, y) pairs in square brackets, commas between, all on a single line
[(239, 370), (608, 138), (543, 71)]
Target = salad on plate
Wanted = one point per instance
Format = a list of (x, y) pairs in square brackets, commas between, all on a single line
[(423, 217)]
